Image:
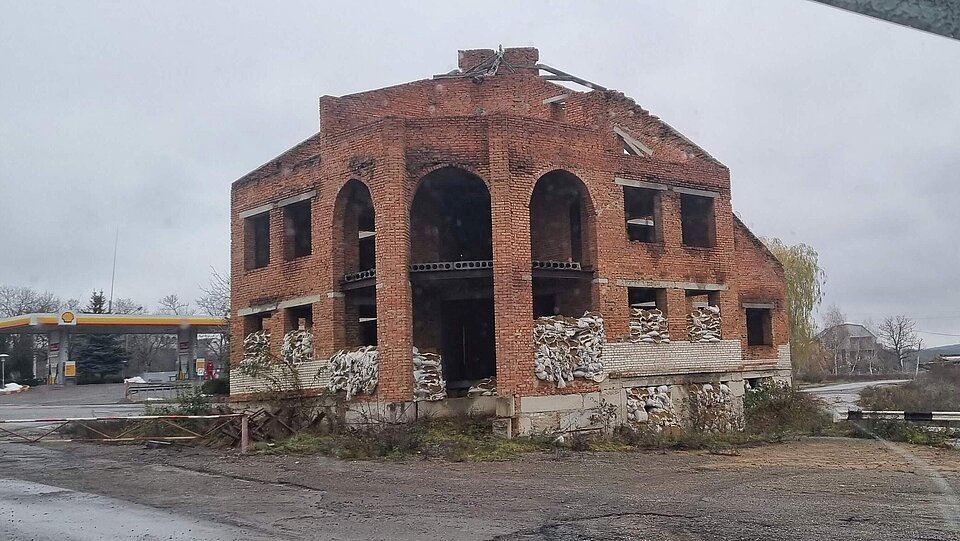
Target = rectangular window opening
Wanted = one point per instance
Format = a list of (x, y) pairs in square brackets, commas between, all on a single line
[(254, 323), (697, 221), (759, 327), (297, 230), (647, 298), (299, 318), (641, 211), (257, 241)]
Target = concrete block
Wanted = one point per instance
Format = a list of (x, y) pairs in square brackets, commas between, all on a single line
[(503, 427), (537, 404)]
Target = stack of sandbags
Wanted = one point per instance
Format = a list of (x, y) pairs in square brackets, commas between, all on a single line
[(256, 347), (713, 409), (591, 337), (297, 347), (703, 325), (648, 326), (356, 371), (569, 347), (484, 387), (651, 407), (428, 382)]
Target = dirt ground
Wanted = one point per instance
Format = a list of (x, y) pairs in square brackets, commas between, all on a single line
[(816, 488)]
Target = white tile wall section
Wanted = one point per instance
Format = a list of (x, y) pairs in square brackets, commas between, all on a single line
[(783, 354), (310, 378), (641, 359)]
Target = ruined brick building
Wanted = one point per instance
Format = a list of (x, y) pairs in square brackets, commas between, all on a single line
[(456, 214)]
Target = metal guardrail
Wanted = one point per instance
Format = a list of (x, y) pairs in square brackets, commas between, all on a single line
[(137, 431), (910, 416)]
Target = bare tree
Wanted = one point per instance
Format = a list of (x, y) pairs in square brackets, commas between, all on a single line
[(898, 334), (126, 306), (24, 348), (172, 305), (16, 301), (215, 302)]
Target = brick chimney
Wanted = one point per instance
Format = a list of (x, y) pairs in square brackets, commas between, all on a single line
[(520, 58)]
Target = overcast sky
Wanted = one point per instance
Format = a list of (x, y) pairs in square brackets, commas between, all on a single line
[(840, 131)]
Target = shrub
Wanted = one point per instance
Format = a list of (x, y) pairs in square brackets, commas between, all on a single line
[(778, 409), (216, 387), (936, 390)]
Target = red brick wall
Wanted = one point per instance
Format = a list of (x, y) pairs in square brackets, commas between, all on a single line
[(500, 130)]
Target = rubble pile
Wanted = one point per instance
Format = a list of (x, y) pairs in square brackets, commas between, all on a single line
[(428, 382), (356, 371), (297, 347), (256, 347), (648, 326), (569, 347), (484, 387), (651, 407), (703, 325), (712, 408)]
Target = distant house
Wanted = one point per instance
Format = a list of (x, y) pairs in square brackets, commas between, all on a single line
[(853, 346)]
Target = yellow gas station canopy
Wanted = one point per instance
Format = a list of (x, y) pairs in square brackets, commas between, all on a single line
[(75, 322)]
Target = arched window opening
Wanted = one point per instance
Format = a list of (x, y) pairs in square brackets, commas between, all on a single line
[(561, 245), (451, 273), (354, 261)]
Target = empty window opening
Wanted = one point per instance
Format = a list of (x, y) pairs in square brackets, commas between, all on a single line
[(450, 218), (355, 226), (354, 259), (256, 241), (701, 299), (299, 318), (360, 318), (254, 323), (453, 313), (647, 298), (759, 327), (562, 296), (697, 221), (560, 220), (297, 230), (455, 318), (642, 213)]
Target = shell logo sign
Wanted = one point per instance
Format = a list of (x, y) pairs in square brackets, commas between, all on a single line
[(67, 317)]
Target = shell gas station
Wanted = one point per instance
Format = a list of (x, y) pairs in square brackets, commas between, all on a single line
[(60, 327)]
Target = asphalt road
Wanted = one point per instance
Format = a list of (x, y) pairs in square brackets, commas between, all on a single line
[(813, 489), (842, 397), (53, 402), (47, 513)]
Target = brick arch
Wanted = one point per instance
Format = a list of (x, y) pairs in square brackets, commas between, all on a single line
[(353, 195), (565, 187), (562, 229), (428, 225), (422, 173)]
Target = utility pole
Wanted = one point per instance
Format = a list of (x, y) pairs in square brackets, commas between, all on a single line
[(919, 347)]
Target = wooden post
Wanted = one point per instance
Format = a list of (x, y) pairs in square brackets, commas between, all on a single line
[(244, 434)]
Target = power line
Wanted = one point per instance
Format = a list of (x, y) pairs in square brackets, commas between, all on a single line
[(940, 333)]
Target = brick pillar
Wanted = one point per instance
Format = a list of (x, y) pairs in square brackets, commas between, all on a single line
[(512, 285), (670, 217), (391, 193), (615, 309), (677, 314)]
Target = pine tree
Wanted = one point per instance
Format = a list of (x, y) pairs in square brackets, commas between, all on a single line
[(98, 355)]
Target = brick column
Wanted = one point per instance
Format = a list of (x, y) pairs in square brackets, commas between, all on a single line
[(390, 190), (677, 314), (615, 309), (512, 283), (670, 220)]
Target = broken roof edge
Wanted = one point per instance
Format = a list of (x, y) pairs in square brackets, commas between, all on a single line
[(756, 241), (272, 165)]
